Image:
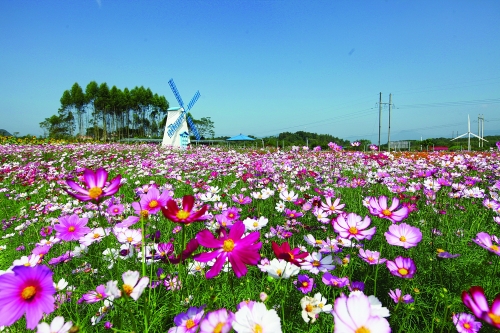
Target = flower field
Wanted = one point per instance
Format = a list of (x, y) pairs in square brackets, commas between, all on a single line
[(139, 238)]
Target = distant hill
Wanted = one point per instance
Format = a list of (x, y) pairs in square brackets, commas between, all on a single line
[(4, 133)]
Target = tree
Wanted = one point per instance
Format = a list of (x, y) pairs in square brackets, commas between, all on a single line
[(205, 126), (91, 92), (78, 101)]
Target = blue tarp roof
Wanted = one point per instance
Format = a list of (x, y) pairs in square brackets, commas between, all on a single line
[(240, 137)]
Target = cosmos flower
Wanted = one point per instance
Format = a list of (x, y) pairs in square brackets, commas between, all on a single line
[(241, 251), (304, 283), (284, 252), (371, 257), (334, 281), (220, 321), (71, 228), (26, 291), (256, 318), (310, 309), (96, 187), (316, 263), (332, 208), (379, 208), (56, 326), (281, 269), (187, 322), (477, 302), (185, 215), (397, 297), (152, 201), (484, 240), (403, 235), (403, 267), (241, 199), (466, 323), (94, 296), (132, 285), (353, 314), (352, 226)]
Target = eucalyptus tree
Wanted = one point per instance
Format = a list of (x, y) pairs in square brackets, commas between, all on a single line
[(78, 101), (91, 92), (102, 103)]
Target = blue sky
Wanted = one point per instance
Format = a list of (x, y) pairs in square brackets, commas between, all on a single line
[(264, 67)]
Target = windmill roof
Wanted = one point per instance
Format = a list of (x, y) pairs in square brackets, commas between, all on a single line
[(174, 108), (240, 137), (4, 133)]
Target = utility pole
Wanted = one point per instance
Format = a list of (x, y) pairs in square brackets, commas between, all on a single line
[(379, 118), (389, 133)]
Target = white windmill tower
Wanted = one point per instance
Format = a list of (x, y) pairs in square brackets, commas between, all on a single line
[(176, 129), (469, 133)]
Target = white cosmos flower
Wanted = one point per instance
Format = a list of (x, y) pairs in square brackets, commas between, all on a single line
[(288, 196), (256, 319), (132, 285), (56, 326), (281, 269)]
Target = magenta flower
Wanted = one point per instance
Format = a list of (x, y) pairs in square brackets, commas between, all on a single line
[(351, 226), (95, 186), (403, 267), (27, 291), (353, 314), (477, 302), (241, 199), (371, 257), (94, 296), (115, 210), (304, 283), (217, 321), (334, 281), (397, 296), (484, 240), (332, 208), (187, 322), (152, 201), (240, 251), (403, 235), (379, 208), (466, 323), (71, 228)]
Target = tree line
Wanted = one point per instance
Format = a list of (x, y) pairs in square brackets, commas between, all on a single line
[(104, 113)]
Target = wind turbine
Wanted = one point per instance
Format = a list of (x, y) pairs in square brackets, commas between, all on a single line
[(469, 133)]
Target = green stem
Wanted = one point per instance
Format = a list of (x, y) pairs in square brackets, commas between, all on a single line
[(376, 270)]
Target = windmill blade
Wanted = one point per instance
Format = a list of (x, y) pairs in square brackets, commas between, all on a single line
[(459, 136), (478, 137), (193, 100), (172, 128), (176, 93), (193, 128)]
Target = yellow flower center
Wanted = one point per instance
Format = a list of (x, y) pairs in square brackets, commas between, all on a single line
[(386, 212), (439, 250), (345, 261), (153, 204), (218, 328), (95, 192), (71, 229), (403, 271), (182, 214), (231, 215), (353, 230), (279, 272), (316, 263), (402, 238), (190, 324), (494, 248), (362, 329), (128, 289), (255, 224), (228, 245), (129, 239), (28, 293), (371, 259), (144, 213), (319, 241), (257, 329), (292, 215), (305, 284), (27, 264), (495, 318), (96, 236), (466, 325), (309, 308)]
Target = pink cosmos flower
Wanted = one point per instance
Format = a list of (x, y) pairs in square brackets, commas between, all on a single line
[(403, 267), (477, 302), (241, 199), (371, 257), (353, 314), (217, 321), (94, 296), (353, 227), (71, 228), (239, 250), (115, 210), (304, 283), (397, 296), (334, 281), (332, 208), (403, 235), (96, 186), (28, 291), (152, 201), (484, 240), (466, 323), (379, 208)]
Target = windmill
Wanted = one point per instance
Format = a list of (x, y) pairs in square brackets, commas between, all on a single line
[(176, 129), (469, 133)]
